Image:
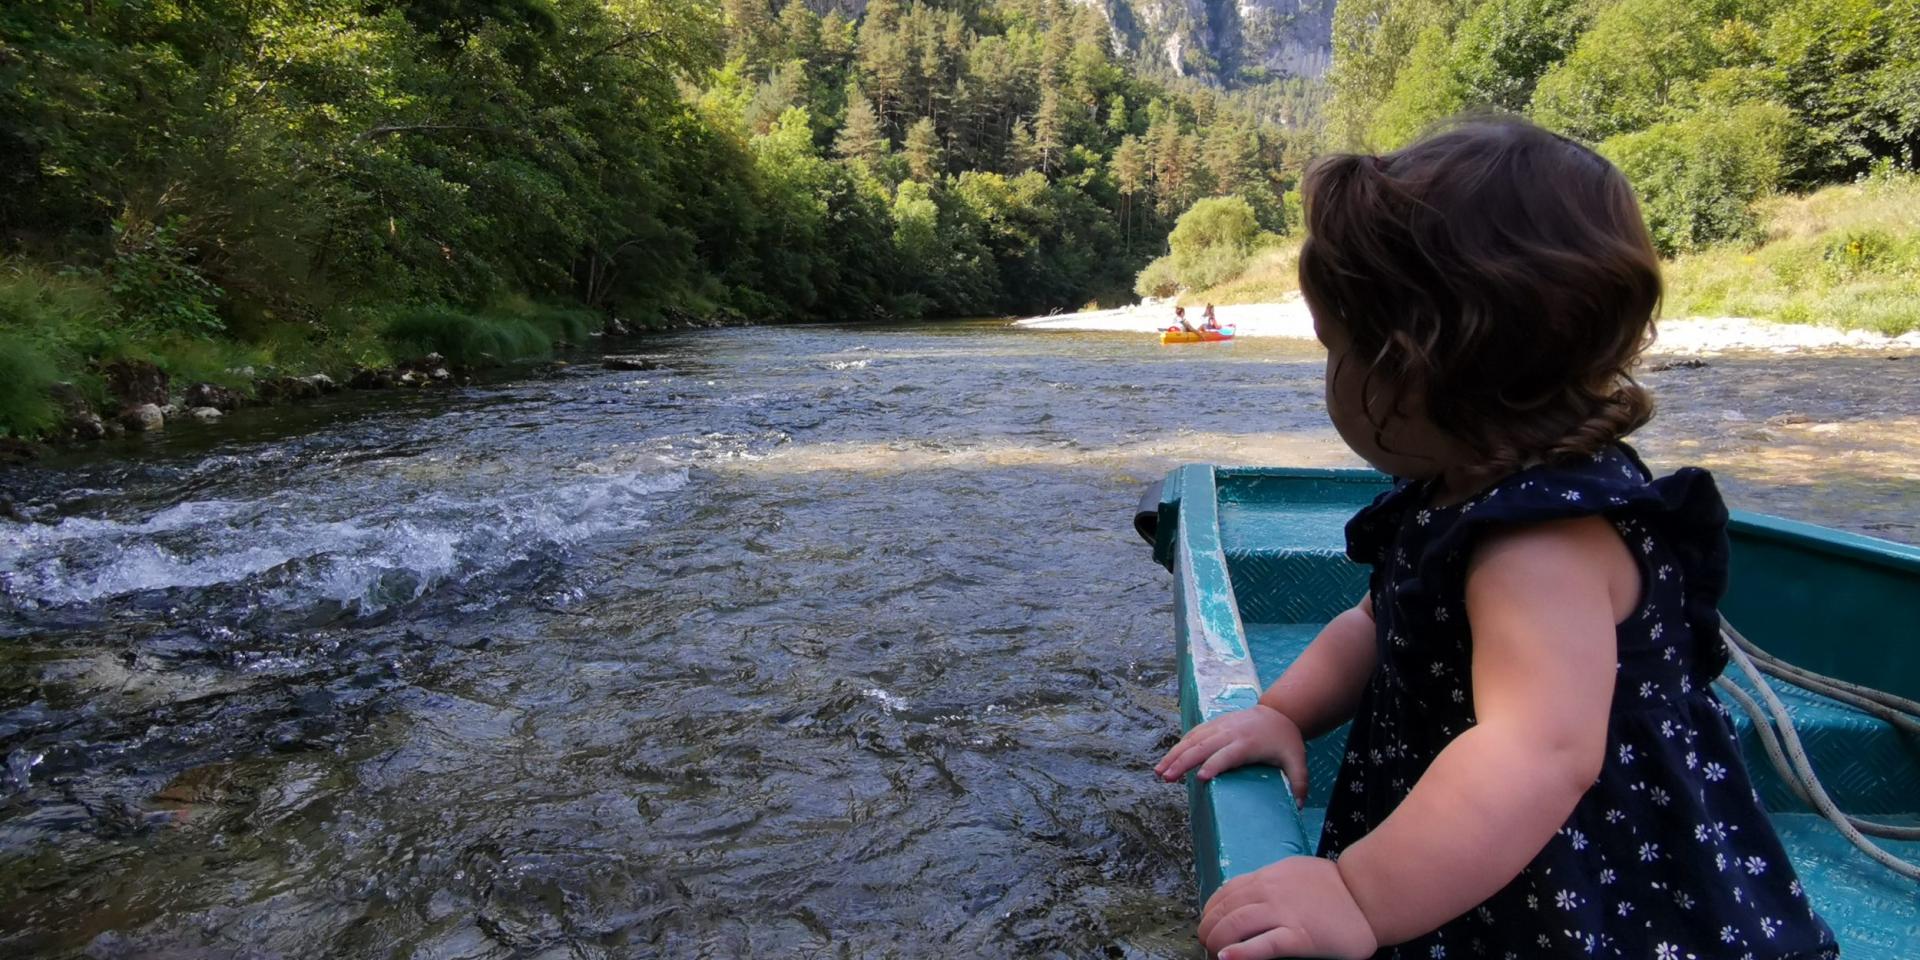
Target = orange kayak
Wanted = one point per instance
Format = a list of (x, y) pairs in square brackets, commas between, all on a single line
[(1177, 335)]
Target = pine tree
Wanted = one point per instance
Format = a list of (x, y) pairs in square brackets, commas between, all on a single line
[(1049, 131), (861, 137), (1020, 152), (800, 33), (923, 150), (749, 27), (1130, 171), (1118, 122)]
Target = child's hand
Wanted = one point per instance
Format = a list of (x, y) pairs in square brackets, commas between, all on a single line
[(1299, 907), (1258, 734)]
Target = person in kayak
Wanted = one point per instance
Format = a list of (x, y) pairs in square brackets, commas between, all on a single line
[(1536, 765), (1209, 321), (1181, 322)]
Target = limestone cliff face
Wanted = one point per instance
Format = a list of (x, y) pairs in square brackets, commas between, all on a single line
[(1228, 41)]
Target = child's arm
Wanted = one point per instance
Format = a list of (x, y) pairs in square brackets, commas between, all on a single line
[(1322, 687), (1317, 693), (1543, 603)]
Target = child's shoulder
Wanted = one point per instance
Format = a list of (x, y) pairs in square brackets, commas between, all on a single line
[(1613, 483)]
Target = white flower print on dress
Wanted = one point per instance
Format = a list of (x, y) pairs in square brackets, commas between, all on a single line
[(1726, 934), (1646, 689), (1649, 852), (1438, 952), (1693, 759), (1667, 729), (1626, 753), (1665, 569), (1607, 877), (1755, 865), (1666, 951), (1572, 496), (1714, 772), (1624, 908), (1565, 900), (1615, 816), (1655, 633), (1578, 839), (1423, 518), (1769, 926), (1683, 900), (1659, 797)]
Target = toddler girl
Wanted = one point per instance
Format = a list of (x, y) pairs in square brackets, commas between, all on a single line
[(1536, 766)]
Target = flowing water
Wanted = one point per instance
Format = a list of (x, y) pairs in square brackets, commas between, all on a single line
[(807, 643)]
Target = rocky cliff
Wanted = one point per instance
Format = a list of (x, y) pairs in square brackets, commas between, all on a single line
[(1230, 42), (1227, 42)]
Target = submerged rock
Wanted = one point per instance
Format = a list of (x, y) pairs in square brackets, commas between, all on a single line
[(211, 395), (78, 421), (14, 450), (144, 418), (285, 389), (206, 414), (628, 362), (370, 378), (321, 383)]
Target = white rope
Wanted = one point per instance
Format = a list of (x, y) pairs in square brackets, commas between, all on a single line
[(1793, 765)]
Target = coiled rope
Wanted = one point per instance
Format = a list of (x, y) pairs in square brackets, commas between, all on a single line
[(1784, 750)]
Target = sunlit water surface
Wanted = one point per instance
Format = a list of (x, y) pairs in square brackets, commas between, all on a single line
[(810, 642)]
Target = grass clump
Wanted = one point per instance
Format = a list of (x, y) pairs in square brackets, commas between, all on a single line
[(509, 331), (1846, 256), (1271, 274)]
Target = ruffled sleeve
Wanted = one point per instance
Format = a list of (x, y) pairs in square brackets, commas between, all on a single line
[(1681, 515), (1371, 531)]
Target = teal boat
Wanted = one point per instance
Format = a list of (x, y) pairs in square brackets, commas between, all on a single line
[(1258, 557)]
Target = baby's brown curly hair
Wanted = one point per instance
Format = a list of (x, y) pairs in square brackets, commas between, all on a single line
[(1500, 272)]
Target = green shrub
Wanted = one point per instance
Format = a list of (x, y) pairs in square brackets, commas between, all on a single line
[(1866, 250), (1698, 177), (26, 374), (1210, 244), (1157, 280), (157, 287)]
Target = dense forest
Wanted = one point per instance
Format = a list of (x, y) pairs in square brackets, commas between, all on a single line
[(1707, 105), (224, 183), (242, 188)]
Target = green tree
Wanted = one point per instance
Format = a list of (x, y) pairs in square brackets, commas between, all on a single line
[(1210, 243), (861, 137), (923, 150), (1698, 177)]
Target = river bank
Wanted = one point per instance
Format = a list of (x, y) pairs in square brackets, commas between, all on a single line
[(1685, 336)]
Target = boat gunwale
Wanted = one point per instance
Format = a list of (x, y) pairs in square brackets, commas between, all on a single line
[(1763, 526)]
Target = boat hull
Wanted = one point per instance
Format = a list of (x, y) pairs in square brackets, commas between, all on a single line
[(1176, 335), (1259, 564)]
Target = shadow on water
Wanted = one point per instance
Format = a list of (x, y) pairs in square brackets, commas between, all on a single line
[(809, 643)]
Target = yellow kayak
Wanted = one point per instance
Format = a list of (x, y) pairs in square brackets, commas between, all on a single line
[(1177, 335)]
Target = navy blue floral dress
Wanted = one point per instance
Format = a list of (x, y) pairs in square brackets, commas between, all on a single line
[(1669, 856)]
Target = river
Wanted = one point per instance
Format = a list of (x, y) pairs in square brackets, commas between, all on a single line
[(810, 642)]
